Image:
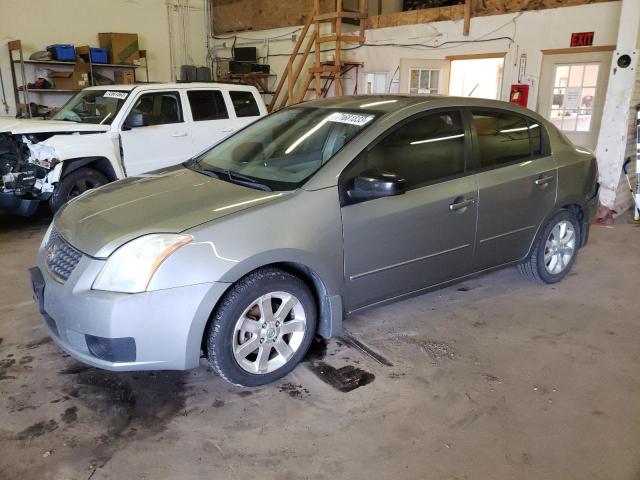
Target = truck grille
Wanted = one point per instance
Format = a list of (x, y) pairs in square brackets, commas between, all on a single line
[(60, 257)]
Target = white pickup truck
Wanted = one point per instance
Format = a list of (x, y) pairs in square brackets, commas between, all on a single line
[(107, 133)]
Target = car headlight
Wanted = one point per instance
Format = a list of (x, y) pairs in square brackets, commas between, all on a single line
[(130, 268)]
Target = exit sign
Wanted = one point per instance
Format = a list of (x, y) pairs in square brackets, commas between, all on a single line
[(582, 39)]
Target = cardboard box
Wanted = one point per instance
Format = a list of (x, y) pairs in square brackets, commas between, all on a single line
[(123, 77), (123, 47), (76, 79)]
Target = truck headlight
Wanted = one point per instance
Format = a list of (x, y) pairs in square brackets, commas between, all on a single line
[(131, 267)]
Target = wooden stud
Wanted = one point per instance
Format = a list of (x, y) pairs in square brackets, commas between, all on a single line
[(467, 17), (317, 42), (475, 56), (337, 88)]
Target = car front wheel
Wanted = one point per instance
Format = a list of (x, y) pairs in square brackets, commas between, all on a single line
[(262, 328), (555, 250)]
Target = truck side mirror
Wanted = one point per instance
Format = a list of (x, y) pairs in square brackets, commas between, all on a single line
[(134, 120)]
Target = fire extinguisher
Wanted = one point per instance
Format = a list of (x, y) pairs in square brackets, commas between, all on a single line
[(519, 94)]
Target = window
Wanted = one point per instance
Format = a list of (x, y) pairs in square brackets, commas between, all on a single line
[(157, 108), (285, 148), (244, 104), (424, 81), (421, 151), (207, 105), (574, 92), (504, 138)]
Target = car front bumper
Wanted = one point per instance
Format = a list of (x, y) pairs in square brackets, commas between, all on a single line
[(18, 205), (157, 330)]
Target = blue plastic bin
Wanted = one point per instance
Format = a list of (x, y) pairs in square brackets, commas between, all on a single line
[(62, 52), (99, 55)]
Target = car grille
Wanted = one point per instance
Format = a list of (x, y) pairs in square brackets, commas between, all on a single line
[(60, 257)]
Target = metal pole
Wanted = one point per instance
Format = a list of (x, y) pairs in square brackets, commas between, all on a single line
[(636, 215)]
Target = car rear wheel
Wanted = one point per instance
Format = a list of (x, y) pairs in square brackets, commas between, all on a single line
[(262, 328), (555, 250), (74, 184)]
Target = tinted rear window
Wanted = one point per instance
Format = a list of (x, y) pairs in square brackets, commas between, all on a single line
[(207, 105), (244, 104), (505, 138)]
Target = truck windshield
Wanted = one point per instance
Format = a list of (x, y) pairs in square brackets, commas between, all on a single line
[(92, 106), (285, 148)]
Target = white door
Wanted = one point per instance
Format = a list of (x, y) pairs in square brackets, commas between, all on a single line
[(572, 90), (212, 118), (424, 77), (155, 134)]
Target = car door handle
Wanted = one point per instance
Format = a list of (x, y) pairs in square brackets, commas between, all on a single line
[(179, 134), (543, 180), (459, 204)]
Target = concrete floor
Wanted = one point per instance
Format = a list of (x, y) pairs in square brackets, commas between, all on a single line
[(492, 378)]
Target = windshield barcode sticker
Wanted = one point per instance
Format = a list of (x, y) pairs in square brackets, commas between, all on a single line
[(112, 94), (351, 118)]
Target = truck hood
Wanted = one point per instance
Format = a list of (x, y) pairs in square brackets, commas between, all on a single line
[(20, 126), (165, 201)]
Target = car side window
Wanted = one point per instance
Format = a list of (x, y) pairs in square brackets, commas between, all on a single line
[(155, 108), (504, 138), (207, 105), (244, 104), (422, 151)]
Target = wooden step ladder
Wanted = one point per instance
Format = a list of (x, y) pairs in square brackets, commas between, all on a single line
[(322, 74)]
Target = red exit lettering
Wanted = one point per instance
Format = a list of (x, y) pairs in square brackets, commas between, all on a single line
[(582, 39)]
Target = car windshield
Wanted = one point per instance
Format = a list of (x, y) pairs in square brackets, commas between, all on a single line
[(92, 106), (284, 149)]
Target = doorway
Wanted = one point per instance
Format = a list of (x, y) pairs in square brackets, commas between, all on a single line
[(476, 77), (572, 92)]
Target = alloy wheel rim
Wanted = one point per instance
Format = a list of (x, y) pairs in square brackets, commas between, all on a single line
[(269, 332), (559, 247)]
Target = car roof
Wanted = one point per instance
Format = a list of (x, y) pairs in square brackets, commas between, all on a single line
[(181, 85), (389, 103)]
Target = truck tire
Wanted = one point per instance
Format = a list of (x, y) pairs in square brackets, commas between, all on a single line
[(74, 184)]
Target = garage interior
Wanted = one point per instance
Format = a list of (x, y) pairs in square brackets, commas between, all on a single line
[(492, 377)]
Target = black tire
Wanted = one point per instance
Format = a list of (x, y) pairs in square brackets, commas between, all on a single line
[(534, 267), (74, 184), (220, 334)]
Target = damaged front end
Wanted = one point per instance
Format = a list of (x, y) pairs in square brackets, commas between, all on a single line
[(27, 172)]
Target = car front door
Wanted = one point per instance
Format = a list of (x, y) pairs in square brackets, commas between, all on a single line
[(399, 244), (154, 134), (517, 180)]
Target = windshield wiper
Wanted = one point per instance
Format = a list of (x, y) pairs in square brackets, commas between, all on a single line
[(233, 177)]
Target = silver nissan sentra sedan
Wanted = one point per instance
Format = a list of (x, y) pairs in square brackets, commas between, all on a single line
[(315, 212)]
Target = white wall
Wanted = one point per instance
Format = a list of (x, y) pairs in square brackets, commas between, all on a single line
[(38, 23), (530, 31)]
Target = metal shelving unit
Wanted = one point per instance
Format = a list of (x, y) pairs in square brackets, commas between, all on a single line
[(19, 63)]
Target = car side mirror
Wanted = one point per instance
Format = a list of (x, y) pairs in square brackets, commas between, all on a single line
[(134, 120), (372, 184)]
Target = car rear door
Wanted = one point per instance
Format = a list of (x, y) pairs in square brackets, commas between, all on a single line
[(395, 245), (155, 133), (247, 108), (517, 180), (211, 118)]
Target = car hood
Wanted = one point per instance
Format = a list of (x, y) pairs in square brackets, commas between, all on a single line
[(172, 200), (20, 126)]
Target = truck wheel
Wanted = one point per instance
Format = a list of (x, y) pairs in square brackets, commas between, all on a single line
[(262, 328), (74, 184)]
